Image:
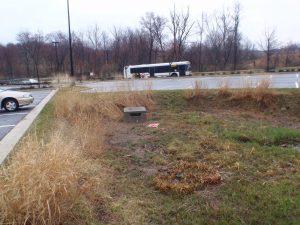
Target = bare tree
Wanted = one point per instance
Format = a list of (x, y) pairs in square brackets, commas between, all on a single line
[(219, 39), (24, 40), (94, 36), (80, 49), (62, 49), (154, 26), (248, 54), (105, 45), (224, 24), (214, 41), (289, 51), (236, 34), (269, 45), (147, 23), (117, 34), (11, 60), (201, 28), (159, 26), (31, 45), (36, 46), (180, 27)]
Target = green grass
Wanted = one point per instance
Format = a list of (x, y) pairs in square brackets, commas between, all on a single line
[(263, 134), (44, 123), (261, 178)]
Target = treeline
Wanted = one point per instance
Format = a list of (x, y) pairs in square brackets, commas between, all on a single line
[(213, 42)]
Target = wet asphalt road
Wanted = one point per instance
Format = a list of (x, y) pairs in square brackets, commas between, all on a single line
[(291, 80)]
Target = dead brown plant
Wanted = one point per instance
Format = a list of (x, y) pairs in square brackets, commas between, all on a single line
[(51, 181), (199, 90), (223, 89), (45, 183), (245, 92), (186, 177), (261, 94), (88, 115)]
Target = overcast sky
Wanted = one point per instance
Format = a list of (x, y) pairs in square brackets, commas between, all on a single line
[(51, 15)]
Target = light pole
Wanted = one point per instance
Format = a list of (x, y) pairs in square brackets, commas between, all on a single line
[(70, 42), (56, 57)]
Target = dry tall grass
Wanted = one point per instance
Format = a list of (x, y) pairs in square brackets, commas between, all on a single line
[(261, 94), (246, 90), (44, 183), (50, 181), (76, 106), (88, 114), (199, 90), (223, 88)]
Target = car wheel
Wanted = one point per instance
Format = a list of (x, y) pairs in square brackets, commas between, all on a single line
[(11, 105), (174, 75)]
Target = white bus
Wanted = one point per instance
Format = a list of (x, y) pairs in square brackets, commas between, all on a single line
[(173, 69)]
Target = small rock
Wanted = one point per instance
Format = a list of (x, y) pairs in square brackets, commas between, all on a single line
[(179, 176)]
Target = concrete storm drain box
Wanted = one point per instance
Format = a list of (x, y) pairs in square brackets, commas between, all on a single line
[(135, 114)]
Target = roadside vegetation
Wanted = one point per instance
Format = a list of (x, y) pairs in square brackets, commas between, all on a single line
[(217, 157)]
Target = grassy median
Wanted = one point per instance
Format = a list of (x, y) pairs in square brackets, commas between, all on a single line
[(217, 157)]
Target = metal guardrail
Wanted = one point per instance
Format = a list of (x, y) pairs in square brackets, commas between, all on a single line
[(288, 69), (25, 82), (255, 71)]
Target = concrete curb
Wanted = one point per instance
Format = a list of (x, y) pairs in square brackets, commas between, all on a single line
[(8, 143)]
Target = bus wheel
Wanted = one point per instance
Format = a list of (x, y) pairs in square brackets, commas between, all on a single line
[(174, 75)]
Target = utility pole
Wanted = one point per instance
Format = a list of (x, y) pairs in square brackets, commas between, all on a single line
[(56, 57), (70, 42)]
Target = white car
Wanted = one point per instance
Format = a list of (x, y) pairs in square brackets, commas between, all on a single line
[(30, 81), (12, 100)]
